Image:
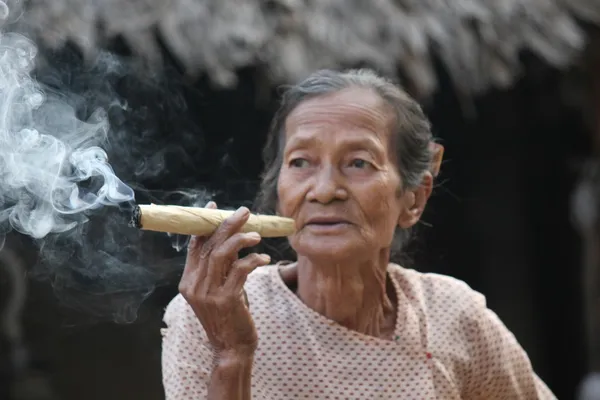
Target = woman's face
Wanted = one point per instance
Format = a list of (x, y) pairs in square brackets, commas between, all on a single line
[(338, 179)]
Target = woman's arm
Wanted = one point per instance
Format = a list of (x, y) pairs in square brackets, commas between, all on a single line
[(498, 367)]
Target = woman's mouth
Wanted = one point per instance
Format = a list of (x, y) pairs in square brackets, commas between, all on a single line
[(326, 224)]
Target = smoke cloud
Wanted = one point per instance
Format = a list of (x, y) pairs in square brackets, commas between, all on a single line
[(47, 154), (66, 136)]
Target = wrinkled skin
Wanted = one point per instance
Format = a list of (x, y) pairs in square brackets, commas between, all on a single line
[(337, 163)]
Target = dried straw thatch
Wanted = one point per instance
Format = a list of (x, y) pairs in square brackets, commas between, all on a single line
[(479, 41)]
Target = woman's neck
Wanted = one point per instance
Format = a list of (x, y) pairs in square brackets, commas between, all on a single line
[(355, 295)]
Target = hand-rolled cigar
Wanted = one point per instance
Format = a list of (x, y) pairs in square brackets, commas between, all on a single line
[(204, 221)]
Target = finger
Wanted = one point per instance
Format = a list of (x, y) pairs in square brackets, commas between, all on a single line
[(191, 270), (241, 269), (195, 245), (222, 258), (228, 227)]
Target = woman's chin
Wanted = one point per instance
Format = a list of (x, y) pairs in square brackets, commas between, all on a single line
[(331, 248)]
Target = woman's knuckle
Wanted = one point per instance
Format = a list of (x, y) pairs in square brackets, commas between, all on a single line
[(238, 237), (237, 268), (204, 251), (220, 253), (252, 259), (207, 247), (227, 224)]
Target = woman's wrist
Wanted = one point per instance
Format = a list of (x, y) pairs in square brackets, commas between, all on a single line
[(233, 359), (231, 376)]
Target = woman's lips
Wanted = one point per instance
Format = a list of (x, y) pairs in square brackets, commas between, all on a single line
[(326, 220), (327, 226)]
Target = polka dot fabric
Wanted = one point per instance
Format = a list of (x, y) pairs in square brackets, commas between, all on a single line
[(447, 345)]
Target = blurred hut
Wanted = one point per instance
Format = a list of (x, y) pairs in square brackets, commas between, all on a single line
[(508, 84), (478, 41)]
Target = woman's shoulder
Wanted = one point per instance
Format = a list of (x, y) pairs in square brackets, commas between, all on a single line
[(439, 298), (429, 285)]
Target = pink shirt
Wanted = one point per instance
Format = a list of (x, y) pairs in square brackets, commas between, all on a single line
[(448, 345)]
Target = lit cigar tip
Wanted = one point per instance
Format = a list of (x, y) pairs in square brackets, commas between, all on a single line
[(136, 218)]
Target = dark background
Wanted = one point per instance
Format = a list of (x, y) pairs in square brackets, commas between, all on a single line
[(499, 218)]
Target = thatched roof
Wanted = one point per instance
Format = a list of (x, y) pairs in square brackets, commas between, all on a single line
[(479, 41)]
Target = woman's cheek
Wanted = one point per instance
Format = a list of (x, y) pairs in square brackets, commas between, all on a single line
[(286, 194)]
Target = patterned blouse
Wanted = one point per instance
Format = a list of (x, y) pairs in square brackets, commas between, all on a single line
[(447, 345)]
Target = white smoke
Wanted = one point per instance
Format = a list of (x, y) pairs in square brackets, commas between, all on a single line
[(55, 178), (57, 187), (52, 166)]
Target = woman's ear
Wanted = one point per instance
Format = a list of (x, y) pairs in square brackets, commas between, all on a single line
[(414, 202)]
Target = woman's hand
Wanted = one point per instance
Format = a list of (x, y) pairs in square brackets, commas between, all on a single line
[(213, 284)]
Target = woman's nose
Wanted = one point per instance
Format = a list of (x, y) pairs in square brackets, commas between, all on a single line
[(327, 186)]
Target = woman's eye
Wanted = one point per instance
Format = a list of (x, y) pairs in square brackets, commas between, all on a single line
[(359, 163), (299, 163)]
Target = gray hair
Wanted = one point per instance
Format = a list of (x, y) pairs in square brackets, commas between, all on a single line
[(411, 139)]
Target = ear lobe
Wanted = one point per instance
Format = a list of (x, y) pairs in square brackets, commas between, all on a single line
[(415, 202), (410, 200), (407, 214)]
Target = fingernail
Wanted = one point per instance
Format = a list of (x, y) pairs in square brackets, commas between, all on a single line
[(210, 204), (242, 211), (266, 257), (254, 235)]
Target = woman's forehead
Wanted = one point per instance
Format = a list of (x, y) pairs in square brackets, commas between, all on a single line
[(355, 109), (355, 139)]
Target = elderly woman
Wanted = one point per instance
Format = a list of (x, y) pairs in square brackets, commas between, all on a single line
[(349, 159)]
